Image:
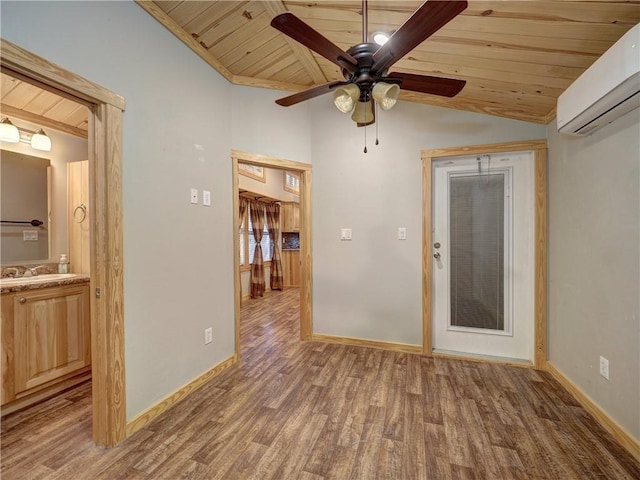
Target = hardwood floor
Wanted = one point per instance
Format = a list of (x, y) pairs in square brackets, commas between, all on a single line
[(313, 411)]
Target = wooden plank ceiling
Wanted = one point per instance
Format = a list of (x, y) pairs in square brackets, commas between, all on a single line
[(41, 107), (516, 56)]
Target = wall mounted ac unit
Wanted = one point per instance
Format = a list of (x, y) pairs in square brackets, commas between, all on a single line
[(605, 91)]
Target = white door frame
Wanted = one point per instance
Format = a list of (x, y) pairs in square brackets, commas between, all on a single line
[(539, 149)]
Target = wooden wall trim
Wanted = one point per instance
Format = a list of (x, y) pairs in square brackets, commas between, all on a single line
[(541, 240), (539, 148), (427, 264), (267, 161), (631, 444), (107, 311), (360, 342), (484, 149), (150, 413), (237, 275), (306, 258), (105, 164), (37, 68)]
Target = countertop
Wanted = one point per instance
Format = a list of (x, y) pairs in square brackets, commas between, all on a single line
[(7, 285)]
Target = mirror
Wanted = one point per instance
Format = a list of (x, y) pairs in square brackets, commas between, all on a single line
[(24, 197)]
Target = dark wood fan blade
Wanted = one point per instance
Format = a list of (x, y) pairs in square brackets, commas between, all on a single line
[(427, 20), (295, 28), (445, 87), (308, 94)]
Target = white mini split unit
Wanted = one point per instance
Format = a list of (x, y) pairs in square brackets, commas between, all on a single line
[(605, 91)]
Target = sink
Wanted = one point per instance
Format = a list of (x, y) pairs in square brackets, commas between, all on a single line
[(52, 277)]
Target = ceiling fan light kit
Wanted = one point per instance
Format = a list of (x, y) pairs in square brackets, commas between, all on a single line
[(346, 97), (366, 66), (363, 114), (385, 94)]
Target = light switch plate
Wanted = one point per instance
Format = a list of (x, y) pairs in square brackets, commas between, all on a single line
[(194, 196), (206, 198), (402, 233), (345, 234)]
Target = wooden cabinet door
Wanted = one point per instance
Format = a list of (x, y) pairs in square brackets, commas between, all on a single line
[(52, 334), (290, 217), (291, 268)]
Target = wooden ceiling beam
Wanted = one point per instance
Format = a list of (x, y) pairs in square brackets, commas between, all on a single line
[(303, 54), (42, 121)]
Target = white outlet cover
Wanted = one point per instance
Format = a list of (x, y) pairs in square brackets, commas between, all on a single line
[(194, 196), (402, 233), (345, 234), (206, 198), (604, 367), (208, 335)]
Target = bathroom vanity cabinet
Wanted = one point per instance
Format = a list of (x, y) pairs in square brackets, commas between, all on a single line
[(46, 342)]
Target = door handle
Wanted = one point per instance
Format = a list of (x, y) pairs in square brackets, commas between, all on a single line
[(436, 255)]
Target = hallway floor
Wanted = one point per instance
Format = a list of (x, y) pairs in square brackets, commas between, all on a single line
[(311, 411)]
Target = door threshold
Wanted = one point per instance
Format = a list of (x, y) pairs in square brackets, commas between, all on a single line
[(476, 357)]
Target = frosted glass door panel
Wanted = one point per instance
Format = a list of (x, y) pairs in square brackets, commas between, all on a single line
[(477, 250)]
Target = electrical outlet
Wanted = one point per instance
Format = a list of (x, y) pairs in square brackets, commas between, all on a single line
[(208, 335), (345, 234), (604, 367)]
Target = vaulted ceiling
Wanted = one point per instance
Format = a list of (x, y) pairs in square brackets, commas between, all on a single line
[(516, 56)]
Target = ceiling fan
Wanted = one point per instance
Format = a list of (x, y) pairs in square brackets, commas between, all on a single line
[(365, 66)]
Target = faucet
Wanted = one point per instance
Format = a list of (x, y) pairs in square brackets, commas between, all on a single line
[(33, 271), (15, 271)]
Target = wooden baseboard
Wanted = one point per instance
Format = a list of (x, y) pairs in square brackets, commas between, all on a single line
[(148, 415), (396, 347), (631, 444)]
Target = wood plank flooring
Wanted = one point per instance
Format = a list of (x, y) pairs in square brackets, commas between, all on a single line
[(313, 411)]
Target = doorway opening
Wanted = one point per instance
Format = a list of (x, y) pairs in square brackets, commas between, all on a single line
[(257, 163), (469, 262), (105, 211)]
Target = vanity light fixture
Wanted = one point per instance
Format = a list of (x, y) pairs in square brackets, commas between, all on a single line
[(41, 141), (38, 140), (8, 131)]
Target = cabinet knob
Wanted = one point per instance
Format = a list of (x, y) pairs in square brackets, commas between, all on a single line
[(23, 300)]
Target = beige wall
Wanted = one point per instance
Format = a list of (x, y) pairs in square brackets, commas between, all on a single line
[(594, 264), (371, 287), (178, 130)]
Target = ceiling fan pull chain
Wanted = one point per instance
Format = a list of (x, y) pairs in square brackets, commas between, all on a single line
[(365, 139), (377, 120)]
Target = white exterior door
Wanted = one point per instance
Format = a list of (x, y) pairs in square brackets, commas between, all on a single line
[(483, 255)]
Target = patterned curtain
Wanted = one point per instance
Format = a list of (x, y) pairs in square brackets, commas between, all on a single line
[(241, 211), (273, 223), (256, 210)]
